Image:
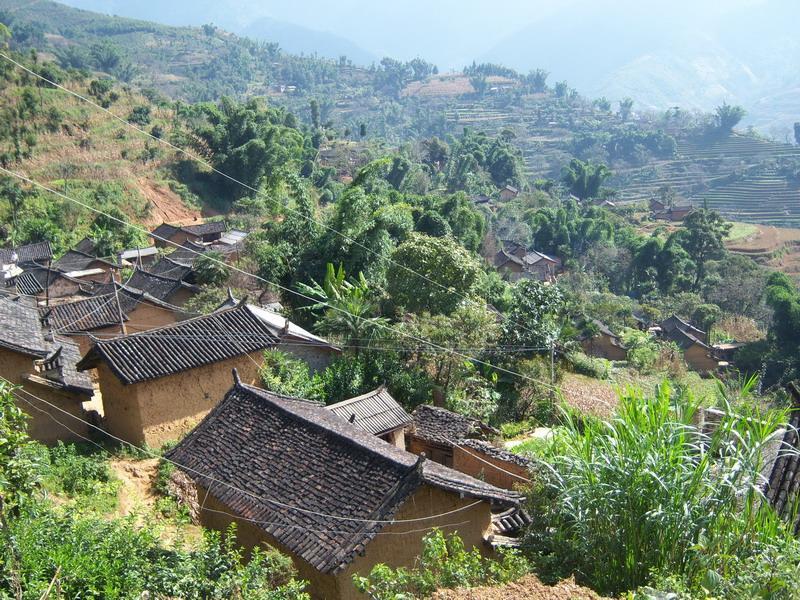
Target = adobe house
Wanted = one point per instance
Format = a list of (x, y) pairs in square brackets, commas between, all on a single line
[(698, 355), (202, 233), (87, 267), (157, 384), (163, 287), (315, 351), (25, 256), (508, 192), (491, 464), (435, 431), (377, 413), (516, 262), (44, 367), (604, 343), (114, 310), (294, 476), (675, 322)]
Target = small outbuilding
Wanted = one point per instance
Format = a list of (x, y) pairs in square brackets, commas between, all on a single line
[(435, 431), (377, 413), (52, 391)]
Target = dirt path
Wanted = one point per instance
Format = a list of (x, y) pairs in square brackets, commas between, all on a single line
[(137, 477), (527, 588)]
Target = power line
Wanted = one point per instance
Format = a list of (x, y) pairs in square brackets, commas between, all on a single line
[(233, 487), (259, 278), (239, 517), (258, 192)]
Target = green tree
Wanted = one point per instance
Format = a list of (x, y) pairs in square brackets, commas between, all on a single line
[(210, 269), (106, 55), (584, 179), (625, 108), (349, 309), (537, 79), (431, 274), (535, 317), (728, 116), (703, 238)]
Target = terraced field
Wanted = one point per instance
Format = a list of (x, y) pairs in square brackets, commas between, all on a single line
[(730, 175)]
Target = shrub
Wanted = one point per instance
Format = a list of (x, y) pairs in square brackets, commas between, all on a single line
[(444, 563), (74, 472), (599, 368), (96, 558)]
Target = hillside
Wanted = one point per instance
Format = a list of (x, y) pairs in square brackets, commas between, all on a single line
[(746, 177)]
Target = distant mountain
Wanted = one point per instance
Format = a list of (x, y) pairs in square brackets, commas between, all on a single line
[(696, 60), (295, 39), (248, 18)]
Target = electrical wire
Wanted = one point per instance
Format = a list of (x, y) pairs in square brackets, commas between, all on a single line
[(240, 490), (239, 517), (205, 163), (262, 279)]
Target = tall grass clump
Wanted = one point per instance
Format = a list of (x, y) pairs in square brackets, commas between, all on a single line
[(648, 498)]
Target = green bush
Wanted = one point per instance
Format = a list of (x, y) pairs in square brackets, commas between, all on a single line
[(599, 368), (95, 558), (77, 470), (444, 563)]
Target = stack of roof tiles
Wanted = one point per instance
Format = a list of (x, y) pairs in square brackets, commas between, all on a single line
[(376, 412), (441, 426), (322, 487), (784, 480), (181, 346)]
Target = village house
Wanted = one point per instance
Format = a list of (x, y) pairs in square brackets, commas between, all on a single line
[(114, 310), (44, 367), (699, 356), (87, 267), (436, 431), (508, 192), (315, 351), (138, 257), (377, 413), (675, 322), (157, 384), (167, 236), (293, 475), (163, 287), (602, 342), (28, 255), (48, 284), (516, 262), (485, 461)]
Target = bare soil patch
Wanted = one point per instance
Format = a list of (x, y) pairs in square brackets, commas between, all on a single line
[(527, 588), (588, 395), (167, 205), (767, 239), (137, 476)]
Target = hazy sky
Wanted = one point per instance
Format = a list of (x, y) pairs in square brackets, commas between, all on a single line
[(448, 32)]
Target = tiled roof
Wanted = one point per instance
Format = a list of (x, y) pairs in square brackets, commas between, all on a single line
[(40, 251), (28, 284), (297, 467), (72, 260), (137, 253), (187, 253), (88, 314), (491, 450), (376, 412), (155, 285), (181, 346), (166, 267), (441, 426), (683, 339), (165, 230), (21, 331), (87, 246), (675, 322), (206, 228)]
